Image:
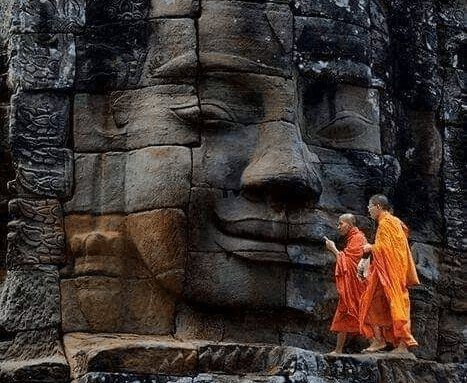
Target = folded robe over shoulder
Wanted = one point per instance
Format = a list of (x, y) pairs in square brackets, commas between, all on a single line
[(348, 286), (393, 270)]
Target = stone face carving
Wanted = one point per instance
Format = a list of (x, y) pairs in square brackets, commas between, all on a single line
[(213, 145)]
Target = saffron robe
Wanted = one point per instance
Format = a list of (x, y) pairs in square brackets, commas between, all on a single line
[(349, 287), (385, 303)]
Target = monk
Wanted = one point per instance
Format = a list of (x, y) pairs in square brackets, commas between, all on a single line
[(349, 287), (385, 305)]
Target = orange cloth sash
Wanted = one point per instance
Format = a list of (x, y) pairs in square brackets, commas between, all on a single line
[(393, 270), (348, 286)]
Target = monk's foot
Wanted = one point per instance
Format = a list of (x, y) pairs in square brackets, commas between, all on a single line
[(401, 349), (375, 347), (335, 352)]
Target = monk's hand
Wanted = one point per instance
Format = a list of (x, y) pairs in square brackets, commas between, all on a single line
[(331, 246)]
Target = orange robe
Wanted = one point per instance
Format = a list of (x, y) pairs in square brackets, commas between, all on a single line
[(348, 286), (385, 303)]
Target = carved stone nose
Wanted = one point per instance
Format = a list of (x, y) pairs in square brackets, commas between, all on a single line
[(282, 166)]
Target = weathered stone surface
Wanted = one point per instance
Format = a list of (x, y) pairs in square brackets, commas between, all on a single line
[(38, 120), (425, 313), (328, 50), (454, 198), (344, 116), (157, 177), (46, 172), (36, 235), (427, 259), (312, 292), (352, 12), (246, 98), (105, 304), (161, 8), (345, 176), (233, 281), (264, 47), (126, 353), (42, 61), (103, 12), (34, 356), (124, 120), (139, 276), (58, 16), (143, 179), (172, 52), (135, 53), (159, 238), (99, 183), (30, 299), (111, 56)]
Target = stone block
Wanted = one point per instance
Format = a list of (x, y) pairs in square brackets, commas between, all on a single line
[(111, 56), (381, 60), (263, 46), (351, 369), (159, 238), (186, 8), (112, 11), (43, 173), (99, 183), (157, 177), (223, 156), (129, 354), (37, 234), (221, 279), (38, 120), (378, 16), (452, 102), (208, 234), (172, 52), (56, 16), (319, 39), (248, 329), (246, 99), (348, 179), (427, 259), (107, 304), (130, 54), (190, 324), (425, 321), (42, 61), (349, 11), (30, 299), (312, 292), (123, 120), (34, 356)]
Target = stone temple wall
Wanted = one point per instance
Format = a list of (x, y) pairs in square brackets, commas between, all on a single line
[(169, 168)]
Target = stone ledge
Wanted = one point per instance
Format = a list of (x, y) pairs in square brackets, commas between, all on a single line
[(115, 358), (53, 369)]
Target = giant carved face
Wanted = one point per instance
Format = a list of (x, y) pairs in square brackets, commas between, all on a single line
[(214, 179)]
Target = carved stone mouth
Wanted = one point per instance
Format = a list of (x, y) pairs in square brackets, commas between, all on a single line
[(259, 224)]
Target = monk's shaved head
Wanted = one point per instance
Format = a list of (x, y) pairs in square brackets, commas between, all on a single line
[(349, 218), (381, 200)]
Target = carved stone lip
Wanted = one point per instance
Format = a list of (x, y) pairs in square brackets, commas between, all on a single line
[(259, 224)]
